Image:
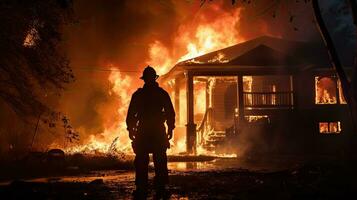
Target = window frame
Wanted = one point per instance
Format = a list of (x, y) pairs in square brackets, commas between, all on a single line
[(339, 95), (329, 132)]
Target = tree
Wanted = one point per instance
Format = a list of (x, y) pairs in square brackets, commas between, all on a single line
[(33, 68), (349, 91)]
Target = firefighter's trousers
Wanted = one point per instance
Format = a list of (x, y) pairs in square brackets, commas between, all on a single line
[(141, 163)]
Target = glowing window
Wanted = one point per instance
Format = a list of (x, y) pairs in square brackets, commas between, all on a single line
[(257, 118), (325, 90), (330, 127)]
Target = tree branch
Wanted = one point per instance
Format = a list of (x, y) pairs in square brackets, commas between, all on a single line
[(335, 60)]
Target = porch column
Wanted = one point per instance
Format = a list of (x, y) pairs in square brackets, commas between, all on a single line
[(177, 99), (240, 99), (191, 126)]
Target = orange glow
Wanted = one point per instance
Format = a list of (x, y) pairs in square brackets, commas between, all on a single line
[(219, 58), (273, 99), (247, 87), (183, 107), (195, 40), (323, 127), (199, 97), (191, 40), (210, 36), (325, 90), (255, 118), (330, 127), (114, 139), (31, 38), (178, 144), (160, 58)]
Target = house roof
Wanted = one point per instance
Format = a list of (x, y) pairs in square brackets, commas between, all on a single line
[(264, 55), (262, 52), (301, 52)]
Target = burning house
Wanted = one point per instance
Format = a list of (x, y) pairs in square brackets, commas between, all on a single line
[(285, 89)]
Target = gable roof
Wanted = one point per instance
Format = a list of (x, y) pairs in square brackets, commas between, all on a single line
[(262, 55), (254, 52)]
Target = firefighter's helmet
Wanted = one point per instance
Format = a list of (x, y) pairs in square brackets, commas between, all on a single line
[(149, 73)]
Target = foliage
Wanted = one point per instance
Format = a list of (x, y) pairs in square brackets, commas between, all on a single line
[(71, 135), (33, 69)]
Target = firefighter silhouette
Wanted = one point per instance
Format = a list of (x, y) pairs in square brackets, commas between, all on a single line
[(150, 107)]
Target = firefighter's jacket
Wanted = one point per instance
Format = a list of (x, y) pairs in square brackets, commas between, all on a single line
[(150, 107)]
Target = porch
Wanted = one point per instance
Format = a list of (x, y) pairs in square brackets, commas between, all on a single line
[(208, 104), (224, 89)]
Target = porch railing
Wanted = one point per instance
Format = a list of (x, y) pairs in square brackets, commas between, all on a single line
[(205, 126), (268, 99)]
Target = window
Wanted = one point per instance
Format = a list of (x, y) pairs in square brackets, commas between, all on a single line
[(328, 90), (257, 118), (325, 90), (267, 92), (330, 127)]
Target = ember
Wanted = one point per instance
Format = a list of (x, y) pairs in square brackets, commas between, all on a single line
[(31, 38)]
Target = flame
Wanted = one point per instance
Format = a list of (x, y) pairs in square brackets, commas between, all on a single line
[(247, 87), (210, 36), (31, 38), (178, 145), (160, 57), (325, 90), (190, 41), (199, 97), (330, 127), (114, 138), (219, 58)]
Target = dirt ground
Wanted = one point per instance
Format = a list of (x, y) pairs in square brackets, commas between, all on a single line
[(217, 179)]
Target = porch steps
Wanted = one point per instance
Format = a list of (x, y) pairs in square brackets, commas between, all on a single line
[(214, 139)]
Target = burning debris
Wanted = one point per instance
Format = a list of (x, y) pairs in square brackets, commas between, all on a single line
[(31, 37), (193, 61), (219, 58)]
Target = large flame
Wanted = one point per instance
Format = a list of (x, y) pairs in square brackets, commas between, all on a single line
[(114, 138), (196, 39), (191, 40), (211, 36)]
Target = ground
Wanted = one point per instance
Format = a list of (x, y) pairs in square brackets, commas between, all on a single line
[(220, 178)]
